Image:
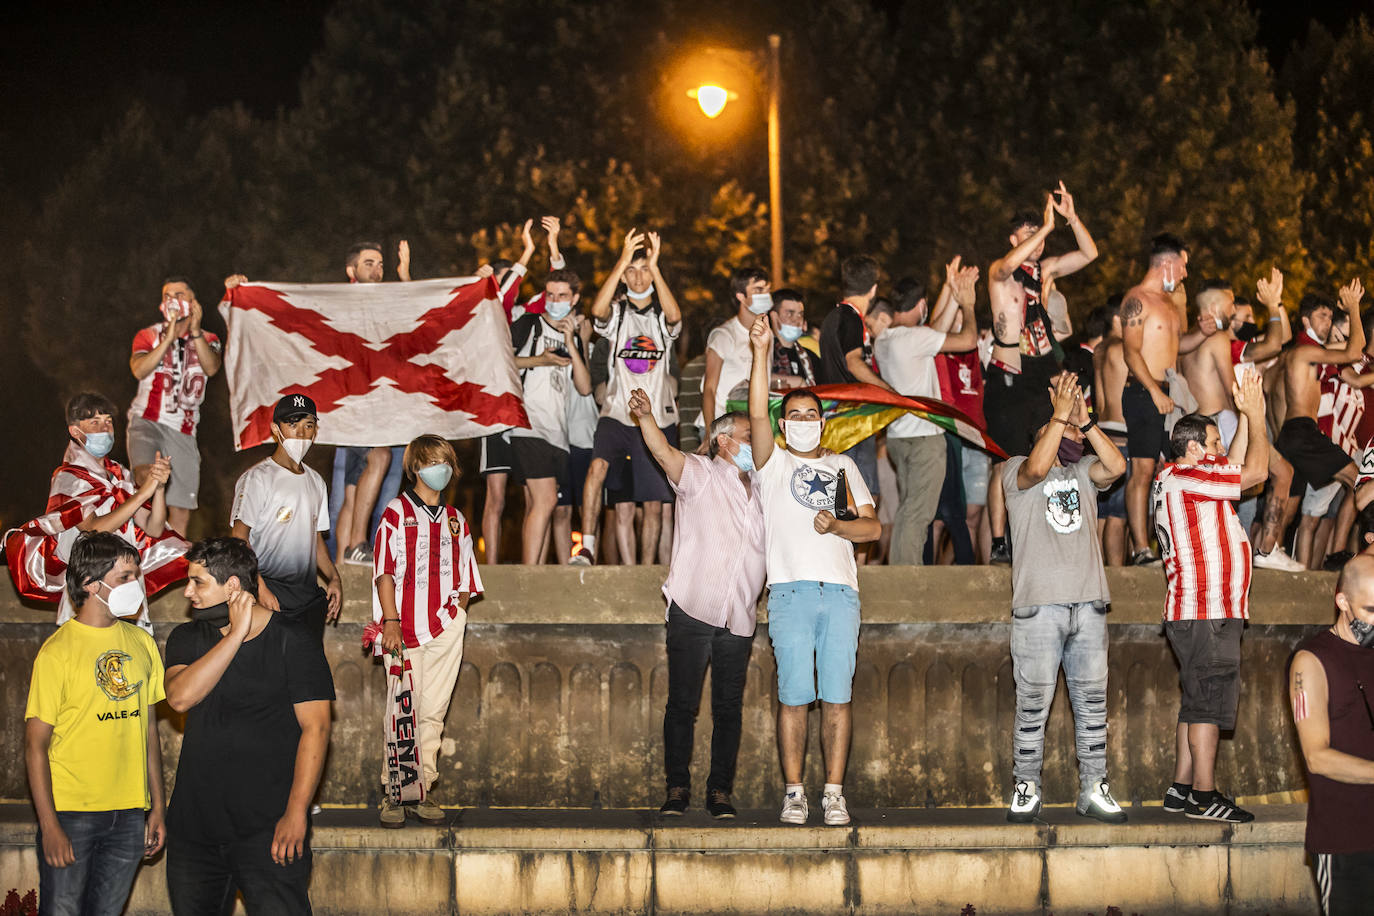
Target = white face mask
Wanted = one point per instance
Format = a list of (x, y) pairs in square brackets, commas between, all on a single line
[(640, 297), (296, 448), (802, 435), (125, 600), (761, 303), (557, 310)]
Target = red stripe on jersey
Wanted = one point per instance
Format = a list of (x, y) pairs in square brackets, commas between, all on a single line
[(1207, 557), (431, 566)]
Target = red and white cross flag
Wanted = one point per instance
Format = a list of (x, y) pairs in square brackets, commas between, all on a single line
[(384, 362)]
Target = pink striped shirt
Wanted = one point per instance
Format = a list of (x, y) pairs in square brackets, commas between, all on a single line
[(1206, 553), (718, 565)]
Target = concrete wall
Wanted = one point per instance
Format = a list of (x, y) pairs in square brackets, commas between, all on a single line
[(561, 695)]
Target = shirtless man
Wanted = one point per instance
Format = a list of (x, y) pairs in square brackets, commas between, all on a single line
[(1153, 316), (1211, 374), (1109, 377), (1315, 458), (1025, 354)]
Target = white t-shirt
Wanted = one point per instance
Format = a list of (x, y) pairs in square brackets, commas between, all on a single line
[(582, 416), (731, 343), (283, 512), (546, 388), (639, 359), (794, 490), (906, 356)]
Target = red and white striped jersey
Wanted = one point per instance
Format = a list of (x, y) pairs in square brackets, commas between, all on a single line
[(428, 552), (1205, 550), (171, 394)]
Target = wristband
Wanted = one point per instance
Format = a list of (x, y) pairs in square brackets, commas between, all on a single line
[(1058, 420), (198, 336), (387, 620), (1087, 427), (1275, 318)]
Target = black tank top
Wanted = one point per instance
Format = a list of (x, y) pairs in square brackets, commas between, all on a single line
[(1339, 813)]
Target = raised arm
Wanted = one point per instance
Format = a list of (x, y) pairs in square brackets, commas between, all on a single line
[(668, 458), (1065, 395), (142, 364), (116, 518), (1065, 264), (964, 292), (209, 359), (1194, 338), (187, 685), (601, 305), (1351, 294), (1003, 268), (1249, 398), (672, 312), (403, 261), (581, 374), (942, 315), (862, 371), (1308, 693), (1270, 295), (760, 426)]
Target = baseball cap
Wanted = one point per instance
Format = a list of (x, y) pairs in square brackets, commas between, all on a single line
[(292, 407)]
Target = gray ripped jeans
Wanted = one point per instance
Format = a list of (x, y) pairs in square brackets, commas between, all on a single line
[(1043, 638)]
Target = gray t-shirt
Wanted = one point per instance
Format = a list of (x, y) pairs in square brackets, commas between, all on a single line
[(1057, 558)]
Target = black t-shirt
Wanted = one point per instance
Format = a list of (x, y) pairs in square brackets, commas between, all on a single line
[(841, 332), (238, 756), (1079, 360)]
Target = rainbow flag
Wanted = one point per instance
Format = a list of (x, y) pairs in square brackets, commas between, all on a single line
[(855, 412)]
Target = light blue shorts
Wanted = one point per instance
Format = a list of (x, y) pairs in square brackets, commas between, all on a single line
[(814, 628)]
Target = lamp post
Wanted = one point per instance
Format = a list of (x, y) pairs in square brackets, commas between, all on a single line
[(712, 99)]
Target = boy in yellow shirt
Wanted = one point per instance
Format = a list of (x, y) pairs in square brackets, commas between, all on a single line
[(91, 746)]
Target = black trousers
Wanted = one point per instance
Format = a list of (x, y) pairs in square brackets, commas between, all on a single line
[(202, 877), (1345, 882), (692, 645)]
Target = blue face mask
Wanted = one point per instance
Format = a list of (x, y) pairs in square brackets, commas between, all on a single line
[(99, 444), (791, 332), (557, 310), (760, 303), (436, 476), (744, 458)]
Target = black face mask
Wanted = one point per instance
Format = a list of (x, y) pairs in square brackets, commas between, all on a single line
[(217, 614), (1247, 331), (1363, 632)]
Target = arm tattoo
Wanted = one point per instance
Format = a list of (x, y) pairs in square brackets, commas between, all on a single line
[(1132, 311), (1299, 698)]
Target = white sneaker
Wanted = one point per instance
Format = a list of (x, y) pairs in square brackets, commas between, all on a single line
[(836, 812), (1279, 559), (1096, 801), (794, 809), (1025, 802)]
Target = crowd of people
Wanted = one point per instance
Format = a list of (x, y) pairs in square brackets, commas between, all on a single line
[(1144, 438)]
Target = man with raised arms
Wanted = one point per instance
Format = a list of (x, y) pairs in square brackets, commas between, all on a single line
[(1025, 354)]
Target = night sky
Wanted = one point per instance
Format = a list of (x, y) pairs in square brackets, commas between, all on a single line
[(68, 69)]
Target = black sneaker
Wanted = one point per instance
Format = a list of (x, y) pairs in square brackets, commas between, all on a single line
[(1144, 557), (1176, 801), (1000, 554), (1335, 562), (676, 803), (718, 805), (1213, 806)]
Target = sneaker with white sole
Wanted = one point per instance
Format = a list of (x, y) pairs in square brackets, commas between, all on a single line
[(1176, 802), (582, 557), (1213, 806), (794, 809), (393, 817), (835, 810), (427, 812), (359, 555), (1025, 802), (1096, 801), (1145, 557), (1278, 559)]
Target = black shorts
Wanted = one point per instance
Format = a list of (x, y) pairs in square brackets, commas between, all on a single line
[(536, 459), (1018, 404), (1208, 653), (579, 459), (1144, 423), (615, 440), (1315, 458), (496, 457)]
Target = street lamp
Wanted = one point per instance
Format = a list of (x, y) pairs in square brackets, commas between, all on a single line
[(712, 99)]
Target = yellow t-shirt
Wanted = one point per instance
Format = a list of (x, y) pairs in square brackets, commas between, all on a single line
[(94, 685)]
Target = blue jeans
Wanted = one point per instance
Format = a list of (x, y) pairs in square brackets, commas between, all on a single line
[(108, 845), (814, 628), (1043, 638)]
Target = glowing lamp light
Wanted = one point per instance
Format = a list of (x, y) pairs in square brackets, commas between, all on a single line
[(712, 99)]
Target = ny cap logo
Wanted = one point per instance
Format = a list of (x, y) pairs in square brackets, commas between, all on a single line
[(299, 401)]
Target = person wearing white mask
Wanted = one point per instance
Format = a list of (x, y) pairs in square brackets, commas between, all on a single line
[(637, 312), (90, 491), (91, 744), (811, 526), (552, 365), (281, 508), (727, 346), (422, 605)]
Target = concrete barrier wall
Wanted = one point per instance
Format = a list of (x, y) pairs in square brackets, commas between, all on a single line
[(561, 695)]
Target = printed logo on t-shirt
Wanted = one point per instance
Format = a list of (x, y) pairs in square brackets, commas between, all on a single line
[(1063, 510), (284, 514), (110, 676), (966, 379), (454, 527), (640, 354), (814, 488)]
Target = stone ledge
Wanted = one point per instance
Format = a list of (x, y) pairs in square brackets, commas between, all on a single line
[(895, 860)]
